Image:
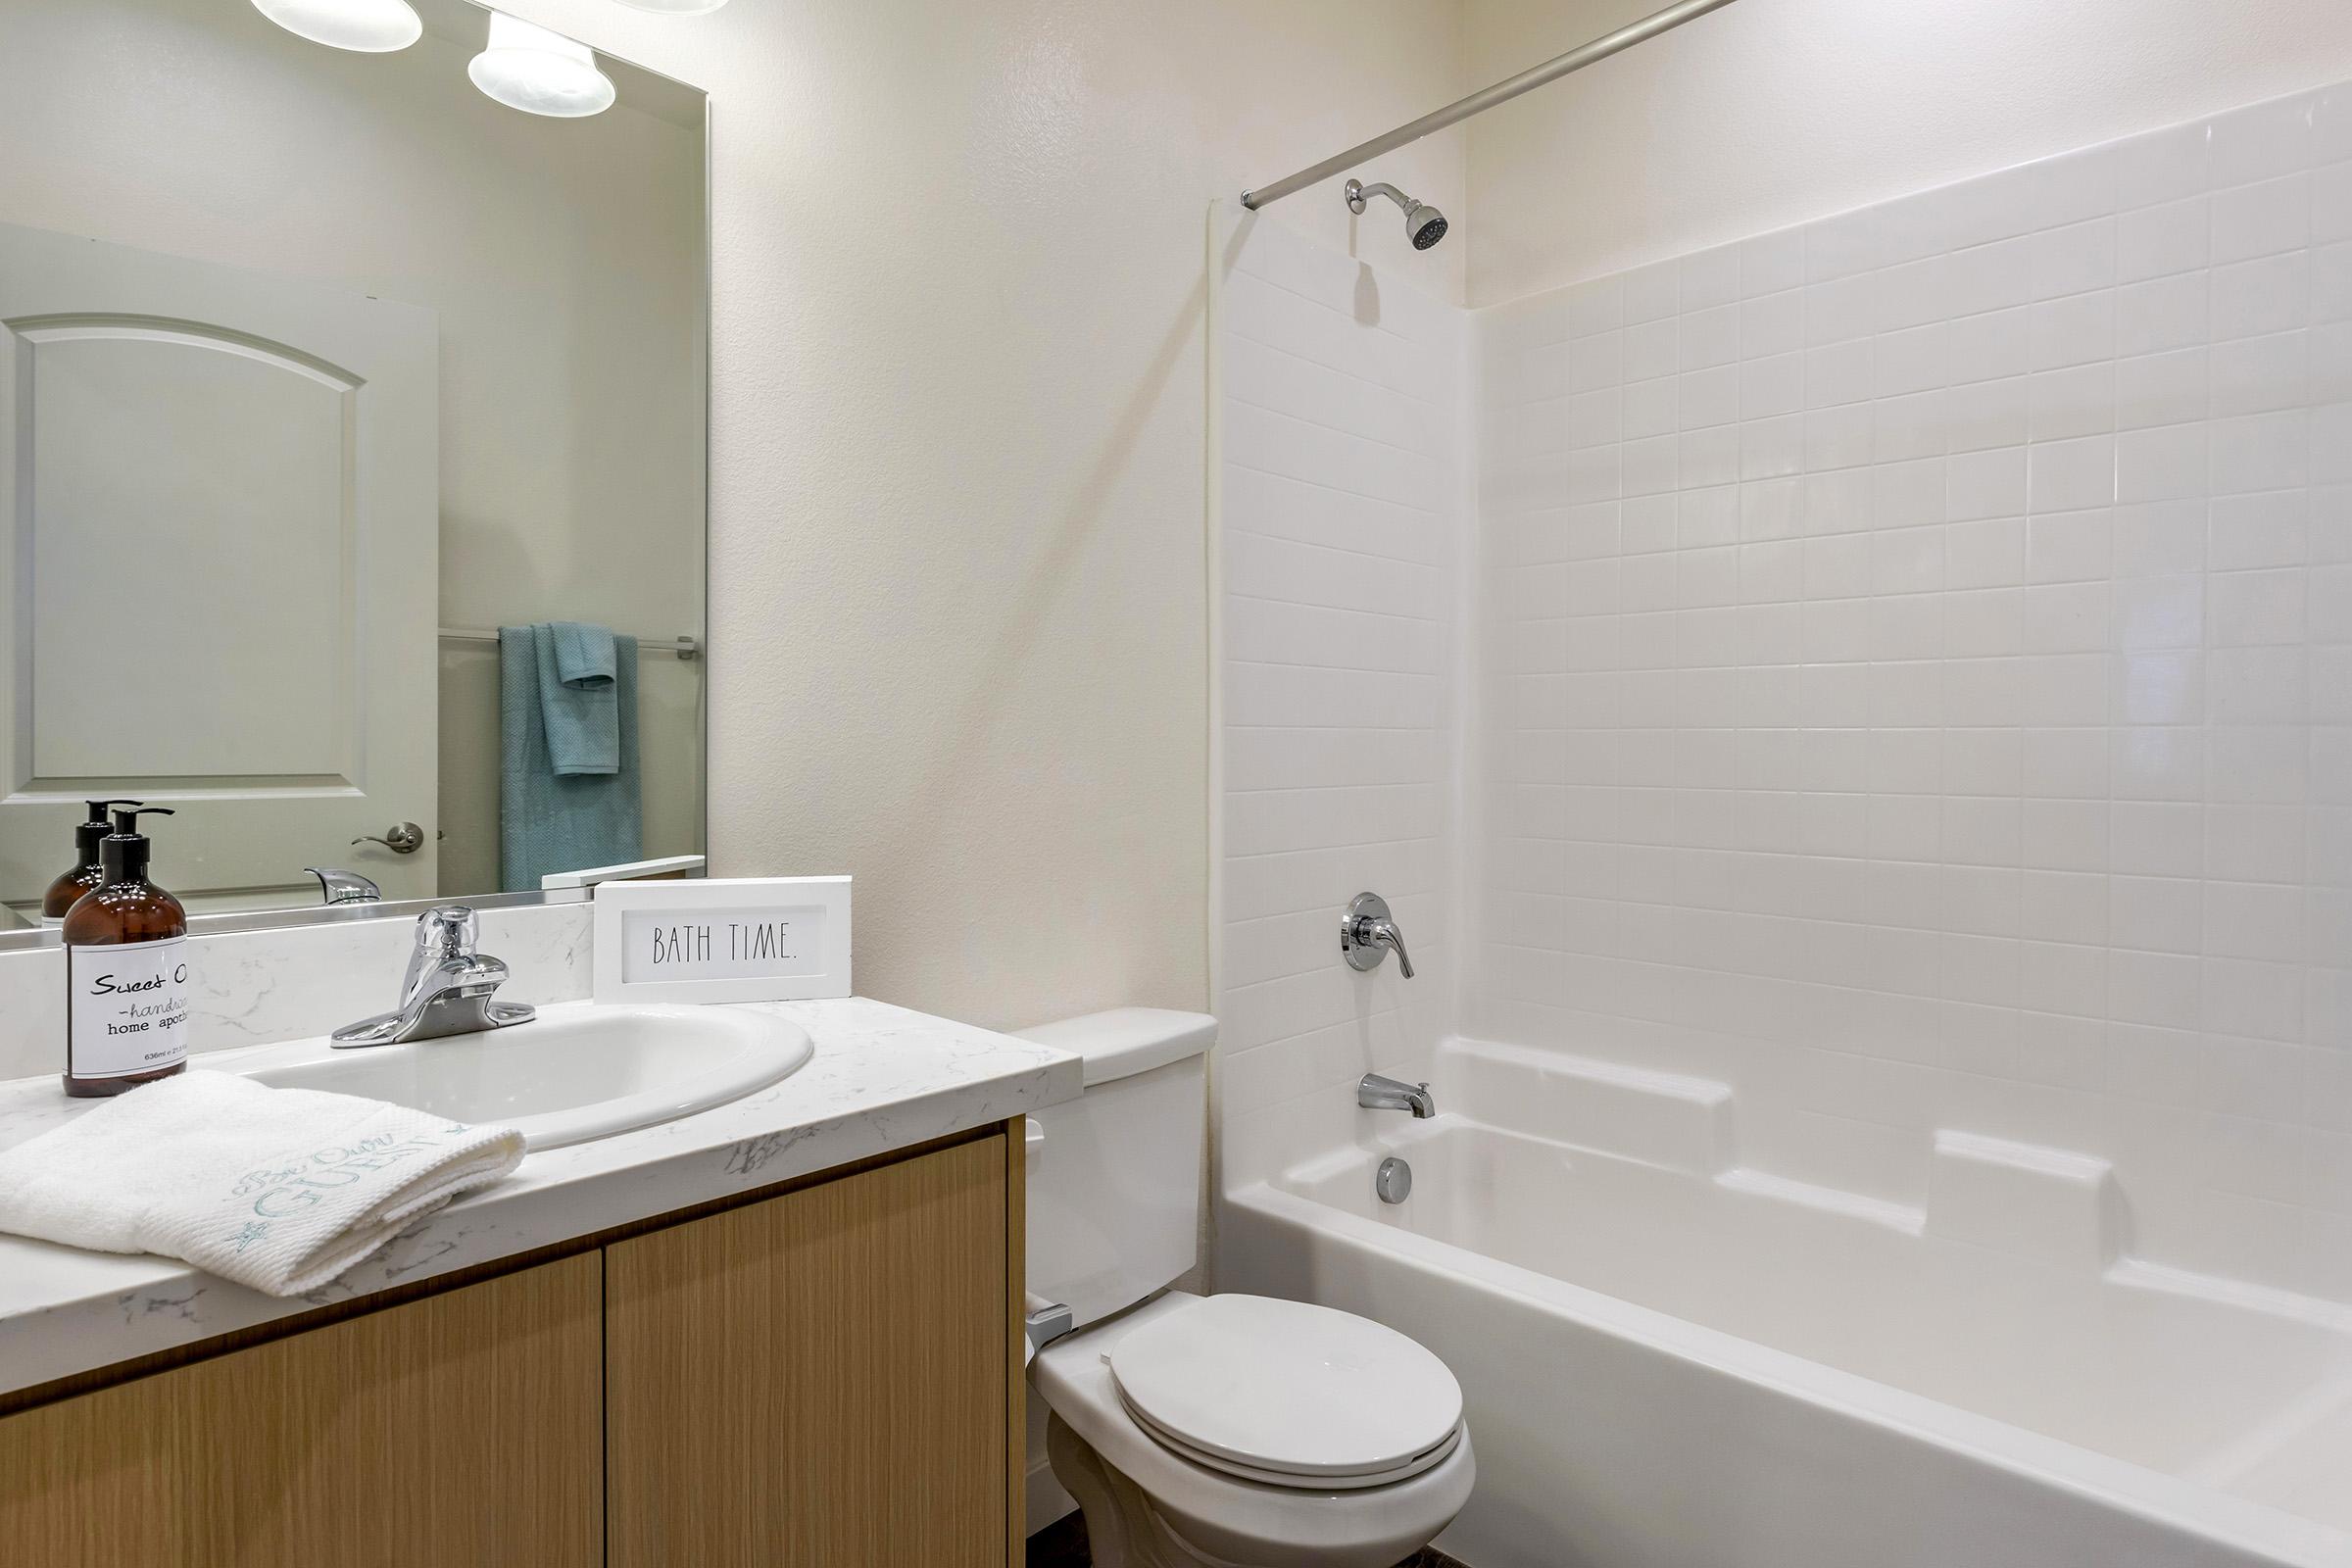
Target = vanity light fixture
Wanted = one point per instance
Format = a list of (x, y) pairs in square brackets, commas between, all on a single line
[(676, 8), (370, 27), (540, 72)]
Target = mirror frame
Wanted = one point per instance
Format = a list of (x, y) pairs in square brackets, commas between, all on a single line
[(34, 939)]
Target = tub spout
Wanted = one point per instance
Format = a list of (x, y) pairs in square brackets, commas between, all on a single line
[(1376, 1093)]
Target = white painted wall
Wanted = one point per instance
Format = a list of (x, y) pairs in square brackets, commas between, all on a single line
[(1774, 111), (1343, 531), (1915, 681), (958, 470), (563, 259)]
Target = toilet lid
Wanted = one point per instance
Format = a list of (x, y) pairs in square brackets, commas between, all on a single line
[(1288, 1388), (1289, 1480)]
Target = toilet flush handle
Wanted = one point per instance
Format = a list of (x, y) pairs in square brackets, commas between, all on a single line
[(1047, 1322)]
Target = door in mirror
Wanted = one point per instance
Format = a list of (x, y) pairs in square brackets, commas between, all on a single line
[(221, 547)]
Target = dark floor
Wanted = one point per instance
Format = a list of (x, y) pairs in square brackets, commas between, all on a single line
[(1062, 1545)]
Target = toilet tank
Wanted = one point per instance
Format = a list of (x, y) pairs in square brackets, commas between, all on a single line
[(1114, 1175)]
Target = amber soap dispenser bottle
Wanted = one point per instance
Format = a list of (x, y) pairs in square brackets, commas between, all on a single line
[(87, 873), (127, 973)]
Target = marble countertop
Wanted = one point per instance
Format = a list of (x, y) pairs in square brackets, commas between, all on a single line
[(882, 1079)]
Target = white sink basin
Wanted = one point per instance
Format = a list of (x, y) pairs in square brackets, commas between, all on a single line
[(576, 1072)]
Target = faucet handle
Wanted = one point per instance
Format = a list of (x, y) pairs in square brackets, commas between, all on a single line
[(1367, 933), (1384, 933), (448, 932)]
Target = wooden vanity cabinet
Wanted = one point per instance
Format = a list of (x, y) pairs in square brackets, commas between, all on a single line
[(828, 1375), (818, 1380), (447, 1433)]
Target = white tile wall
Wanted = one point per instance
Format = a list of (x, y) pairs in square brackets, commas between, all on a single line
[(1340, 402), (1916, 675)]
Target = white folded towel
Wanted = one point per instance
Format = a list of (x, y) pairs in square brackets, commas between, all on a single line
[(280, 1189)]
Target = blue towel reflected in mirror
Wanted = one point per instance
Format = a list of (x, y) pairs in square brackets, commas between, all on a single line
[(570, 792), (580, 699)]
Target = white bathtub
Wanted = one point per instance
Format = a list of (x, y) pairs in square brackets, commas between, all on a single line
[(1672, 1362)]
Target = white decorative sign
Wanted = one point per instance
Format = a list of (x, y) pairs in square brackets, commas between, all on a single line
[(731, 939)]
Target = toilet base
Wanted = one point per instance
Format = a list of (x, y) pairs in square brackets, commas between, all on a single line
[(1123, 1528)]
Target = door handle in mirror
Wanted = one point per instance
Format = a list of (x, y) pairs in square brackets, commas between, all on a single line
[(401, 838)]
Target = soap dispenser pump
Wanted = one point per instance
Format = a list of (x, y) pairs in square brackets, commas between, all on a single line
[(86, 874), (127, 973)]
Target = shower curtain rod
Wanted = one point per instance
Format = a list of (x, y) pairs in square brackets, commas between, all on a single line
[(1648, 27)]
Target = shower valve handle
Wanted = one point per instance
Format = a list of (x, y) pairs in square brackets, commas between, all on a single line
[(1367, 933)]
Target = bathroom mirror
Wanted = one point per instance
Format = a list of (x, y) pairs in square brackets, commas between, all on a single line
[(318, 367)]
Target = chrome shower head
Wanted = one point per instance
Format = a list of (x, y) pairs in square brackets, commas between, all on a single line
[(1424, 224)]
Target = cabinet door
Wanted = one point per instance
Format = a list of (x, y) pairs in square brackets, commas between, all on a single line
[(452, 1432), (817, 1381)]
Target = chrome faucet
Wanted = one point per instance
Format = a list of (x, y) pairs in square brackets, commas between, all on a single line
[(446, 990), (1376, 1093), (338, 886), (1367, 933)]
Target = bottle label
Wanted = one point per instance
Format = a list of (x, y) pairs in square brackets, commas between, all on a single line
[(127, 1009)]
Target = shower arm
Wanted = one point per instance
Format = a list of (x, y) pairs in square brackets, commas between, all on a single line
[(1527, 80)]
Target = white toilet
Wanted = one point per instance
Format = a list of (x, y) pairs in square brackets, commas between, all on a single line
[(1230, 1430)]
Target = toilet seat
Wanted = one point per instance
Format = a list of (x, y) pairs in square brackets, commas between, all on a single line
[(1287, 1393)]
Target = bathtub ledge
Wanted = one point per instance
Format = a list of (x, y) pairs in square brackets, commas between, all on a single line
[(1900, 1217), (2054, 1205)]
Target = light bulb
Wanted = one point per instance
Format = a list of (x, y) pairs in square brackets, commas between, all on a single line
[(540, 72), (371, 26)]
